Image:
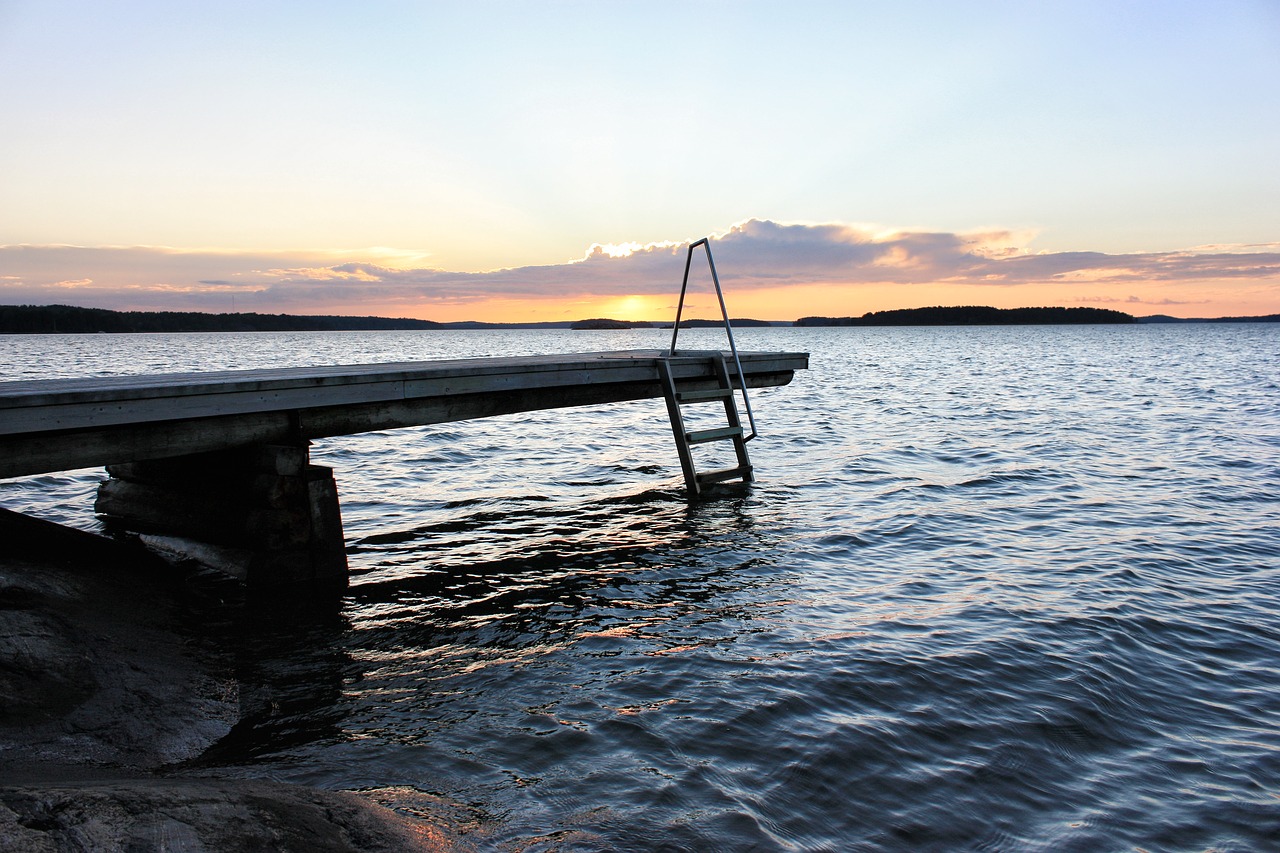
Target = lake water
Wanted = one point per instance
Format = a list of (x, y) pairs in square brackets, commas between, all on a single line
[(995, 589)]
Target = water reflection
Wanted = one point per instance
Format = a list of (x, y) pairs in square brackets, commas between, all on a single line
[(293, 669), (544, 577), (432, 621), (999, 588)]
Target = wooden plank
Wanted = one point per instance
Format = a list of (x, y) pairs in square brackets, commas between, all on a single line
[(480, 384), (36, 453), (144, 423), (182, 406), (72, 404), (24, 393)]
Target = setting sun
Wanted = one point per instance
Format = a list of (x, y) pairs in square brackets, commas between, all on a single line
[(634, 307)]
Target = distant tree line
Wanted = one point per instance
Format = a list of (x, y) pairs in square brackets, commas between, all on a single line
[(45, 319), (605, 323), (736, 322), (1165, 318), (974, 315), (68, 319), (37, 319)]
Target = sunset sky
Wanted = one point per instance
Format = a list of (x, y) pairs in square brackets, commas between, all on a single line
[(546, 161)]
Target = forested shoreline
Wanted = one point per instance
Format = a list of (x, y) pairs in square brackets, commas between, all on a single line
[(69, 319), (976, 315)]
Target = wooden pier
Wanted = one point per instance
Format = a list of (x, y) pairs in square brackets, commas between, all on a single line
[(220, 459)]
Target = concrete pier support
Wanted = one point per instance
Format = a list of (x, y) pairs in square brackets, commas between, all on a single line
[(261, 513)]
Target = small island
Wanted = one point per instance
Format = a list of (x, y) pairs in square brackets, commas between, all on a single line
[(976, 315), (605, 324)]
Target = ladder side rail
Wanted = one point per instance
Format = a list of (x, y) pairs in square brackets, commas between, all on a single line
[(678, 429), (728, 327), (731, 416), (684, 285)]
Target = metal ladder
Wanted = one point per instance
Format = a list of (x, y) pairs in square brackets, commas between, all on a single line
[(723, 392), (685, 438)]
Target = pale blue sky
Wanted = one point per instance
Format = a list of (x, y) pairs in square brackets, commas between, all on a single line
[(471, 136)]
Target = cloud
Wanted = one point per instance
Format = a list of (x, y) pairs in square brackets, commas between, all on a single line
[(753, 254), (1137, 300)]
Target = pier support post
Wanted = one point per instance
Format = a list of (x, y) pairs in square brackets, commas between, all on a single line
[(261, 513)]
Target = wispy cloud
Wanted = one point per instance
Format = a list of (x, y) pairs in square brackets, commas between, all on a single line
[(1137, 300), (751, 255)]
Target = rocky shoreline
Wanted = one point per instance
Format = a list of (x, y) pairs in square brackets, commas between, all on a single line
[(196, 814), (107, 702)]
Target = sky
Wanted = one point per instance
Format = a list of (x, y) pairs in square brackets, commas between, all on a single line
[(512, 161)]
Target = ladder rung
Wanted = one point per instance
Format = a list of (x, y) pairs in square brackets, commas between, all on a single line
[(741, 471), (703, 396), (717, 434)]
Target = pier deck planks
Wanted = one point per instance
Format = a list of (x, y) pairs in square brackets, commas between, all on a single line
[(58, 424)]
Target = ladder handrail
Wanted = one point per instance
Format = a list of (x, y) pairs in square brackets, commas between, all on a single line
[(705, 243)]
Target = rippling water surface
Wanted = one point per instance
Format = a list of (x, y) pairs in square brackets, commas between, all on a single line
[(996, 589)]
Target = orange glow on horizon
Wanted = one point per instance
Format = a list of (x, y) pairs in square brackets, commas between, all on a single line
[(651, 309), (1201, 299)]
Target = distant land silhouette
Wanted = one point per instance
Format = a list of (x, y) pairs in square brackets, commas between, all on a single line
[(738, 322), (982, 315), (975, 315), (1165, 318), (743, 322), (44, 319), (55, 319), (68, 319), (602, 323)]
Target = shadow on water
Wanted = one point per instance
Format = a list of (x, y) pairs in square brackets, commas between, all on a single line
[(435, 610), (505, 660), (541, 575), (291, 665)]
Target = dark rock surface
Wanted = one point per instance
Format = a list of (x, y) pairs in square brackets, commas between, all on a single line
[(92, 667), (202, 815), (110, 682)]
